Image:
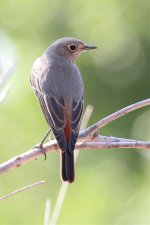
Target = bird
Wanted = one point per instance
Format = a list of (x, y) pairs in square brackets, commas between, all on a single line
[(58, 86)]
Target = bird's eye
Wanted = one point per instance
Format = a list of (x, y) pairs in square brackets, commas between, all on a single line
[(72, 47)]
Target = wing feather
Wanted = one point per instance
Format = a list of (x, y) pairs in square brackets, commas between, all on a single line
[(77, 110), (53, 111), (56, 111)]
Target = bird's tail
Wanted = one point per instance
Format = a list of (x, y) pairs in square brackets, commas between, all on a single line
[(67, 166)]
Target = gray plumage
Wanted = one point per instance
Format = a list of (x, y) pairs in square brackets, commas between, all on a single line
[(59, 88)]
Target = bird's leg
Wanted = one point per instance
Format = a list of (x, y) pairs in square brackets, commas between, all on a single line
[(40, 146), (48, 132)]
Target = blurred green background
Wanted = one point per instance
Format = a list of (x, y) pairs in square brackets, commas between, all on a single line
[(111, 187)]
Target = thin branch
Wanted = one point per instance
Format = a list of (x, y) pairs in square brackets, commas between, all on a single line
[(51, 147), (103, 122), (101, 138), (22, 189), (85, 140), (23, 158), (107, 145)]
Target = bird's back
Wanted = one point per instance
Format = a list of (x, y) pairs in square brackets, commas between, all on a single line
[(63, 79), (58, 77)]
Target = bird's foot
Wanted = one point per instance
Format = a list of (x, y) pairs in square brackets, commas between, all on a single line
[(42, 149), (40, 146)]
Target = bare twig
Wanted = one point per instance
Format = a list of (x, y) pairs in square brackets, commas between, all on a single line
[(86, 140), (103, 122), (90, 144), (23, 158), (107, 145), (22, 189)]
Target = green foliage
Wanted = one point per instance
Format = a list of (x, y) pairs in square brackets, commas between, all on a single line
[(111, 187)]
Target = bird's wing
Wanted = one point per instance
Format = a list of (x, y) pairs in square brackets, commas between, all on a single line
[(34, 80), (53, 111), (77, 110)]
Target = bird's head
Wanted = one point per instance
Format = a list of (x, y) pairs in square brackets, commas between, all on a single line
[(68, 48)]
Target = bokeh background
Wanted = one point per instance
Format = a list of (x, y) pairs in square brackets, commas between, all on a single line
[(111, 187)]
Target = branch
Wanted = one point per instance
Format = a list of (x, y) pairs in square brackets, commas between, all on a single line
[(88, 139), (103, 122), (22, 189), (107, 145)]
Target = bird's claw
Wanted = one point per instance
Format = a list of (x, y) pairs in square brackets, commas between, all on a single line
[(42, 149)]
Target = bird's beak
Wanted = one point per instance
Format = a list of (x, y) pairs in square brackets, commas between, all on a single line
[(87, 47)]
